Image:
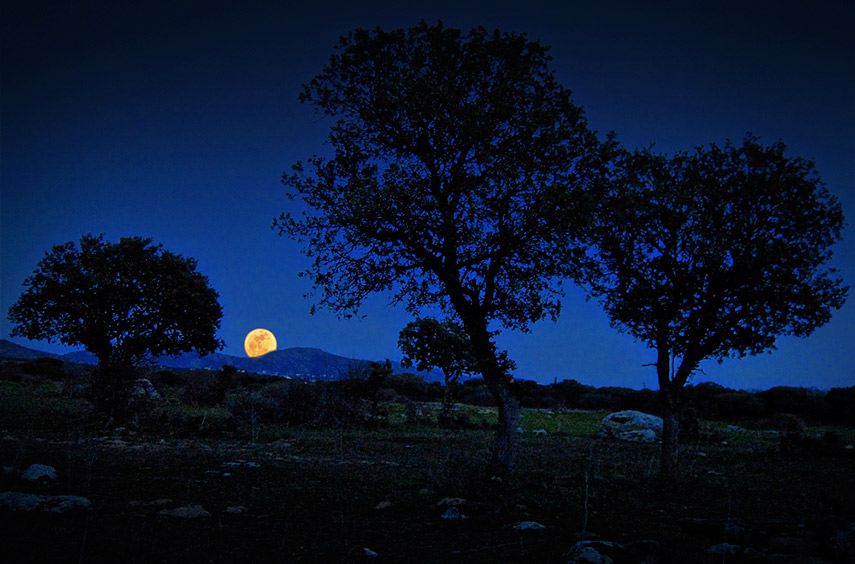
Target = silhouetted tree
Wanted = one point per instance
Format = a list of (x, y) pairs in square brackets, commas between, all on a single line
[(455, 160), (715, 254), (124, 302), (429, 343)]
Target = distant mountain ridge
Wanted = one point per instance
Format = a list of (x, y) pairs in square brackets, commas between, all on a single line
[(298, 362)]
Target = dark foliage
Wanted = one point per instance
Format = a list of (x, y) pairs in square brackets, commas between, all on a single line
[(841, 403), (459, 179), (715, 254), (125, 302), (207, 387)]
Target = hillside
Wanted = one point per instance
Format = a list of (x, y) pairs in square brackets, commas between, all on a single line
[(303, 363)]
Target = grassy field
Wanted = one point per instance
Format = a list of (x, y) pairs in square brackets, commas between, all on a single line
[(300, 495)]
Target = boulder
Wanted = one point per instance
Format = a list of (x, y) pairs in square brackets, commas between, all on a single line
[(528, 526), (453, 514), (614, 424), (638, 436), (143, 388), (594, 552), (724, 548), (32, 503), (186, 512), (41, 474)]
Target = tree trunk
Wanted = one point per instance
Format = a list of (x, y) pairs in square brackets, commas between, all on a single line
[(670, 397), (111, 391), (669, 392), (669, 460), (500, 383), (506, 446)]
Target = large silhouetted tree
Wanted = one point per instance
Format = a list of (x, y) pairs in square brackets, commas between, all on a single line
[(456, 161), (713, 254), (124, 302)]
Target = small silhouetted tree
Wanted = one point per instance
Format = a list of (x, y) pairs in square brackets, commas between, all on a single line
[(429, 343), (456, 161), (715, 254), (124, 302)]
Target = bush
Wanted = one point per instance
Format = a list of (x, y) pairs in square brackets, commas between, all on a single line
[(597, 401), (11, 371), (841, 403), (808, 404), (571, 391), (735, 405), (474, 392), (410, 386), (45, 367), (207, 388), (786, 423)]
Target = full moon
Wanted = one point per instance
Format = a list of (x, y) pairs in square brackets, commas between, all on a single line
[(259, 342)]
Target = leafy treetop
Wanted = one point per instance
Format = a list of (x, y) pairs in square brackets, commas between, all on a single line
[(718, 252), (456, 161), (124, 302)]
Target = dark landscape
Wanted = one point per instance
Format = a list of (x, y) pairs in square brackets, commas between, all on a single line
[(433, 182), (226, 466)]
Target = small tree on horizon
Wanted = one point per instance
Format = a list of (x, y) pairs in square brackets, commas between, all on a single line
[(125, 302), (457, 161), (429, 343), (715, 254)]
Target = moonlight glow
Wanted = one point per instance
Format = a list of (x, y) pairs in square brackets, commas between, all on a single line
[(259, 342)]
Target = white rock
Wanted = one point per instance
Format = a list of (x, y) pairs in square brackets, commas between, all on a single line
[(540, 432), (453, 513), (723, 548), (143, 388), (451, 502), (369, 553), (638, 436), (40, 473), (624, 421), (528, 526)]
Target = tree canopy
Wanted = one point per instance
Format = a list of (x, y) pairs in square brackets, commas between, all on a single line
[(715, 253), (124, 302), (429, 343), (452, 157), (721, 251)]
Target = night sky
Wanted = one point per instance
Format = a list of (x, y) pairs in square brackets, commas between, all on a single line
[(175, 120)]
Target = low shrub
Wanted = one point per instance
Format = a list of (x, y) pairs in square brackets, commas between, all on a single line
[(45, 367)]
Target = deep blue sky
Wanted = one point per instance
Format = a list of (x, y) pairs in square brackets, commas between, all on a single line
[(174, 120)]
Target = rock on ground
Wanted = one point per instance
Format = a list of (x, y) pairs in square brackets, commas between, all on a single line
[(32, 503), (528, 526), (143, 388), (186, 512), (638, 436), (592, 552), (625, 421), (40, 473)]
